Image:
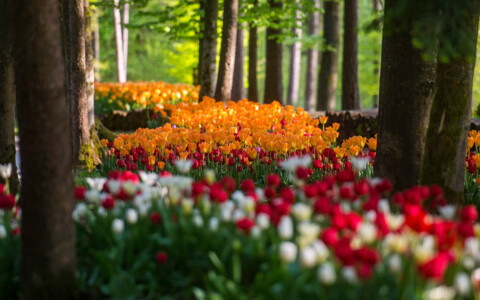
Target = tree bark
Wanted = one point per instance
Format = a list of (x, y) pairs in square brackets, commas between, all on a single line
[(198, 70), (48, 236), (350, 94), (328, 75), (90, 71), (7, 96), (223, 91), (295, 59), (96, 44), (273, 74), (238, 87), (377, 7), (312, 61), (208, 69), (446, 142), (252, 62), (406, 93), (121, 72), (79, 84), (125, 21)]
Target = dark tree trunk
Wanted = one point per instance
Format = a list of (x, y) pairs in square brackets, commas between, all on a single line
[(82, 149), (223, 91), (406, 93), (252, 63), (273, 73), (295, 59), (377, 7), (208, 69), (312, 61), (238, 88), (328, 75), (48, 236), (350, 94), (7, 96), (198, 70), (446, 143)]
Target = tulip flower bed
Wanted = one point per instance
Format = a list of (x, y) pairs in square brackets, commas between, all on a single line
[(148, 236), (130, 95), (242, 140)]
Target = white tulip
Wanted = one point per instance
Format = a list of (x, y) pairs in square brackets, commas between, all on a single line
[(213, 224), (248, 205), (5, 171), (359, 164), (447, 211), (349, 274), (439, 293), (187, 206), (96, 183), (148, 178), (285, 228), (3, 231), (468, 262), (238, 214), (114, 186), (301, 211), (197, 220), (462, 284), (472, 246), (101, 211), (367, 232), (263, 220), (308, 257), (183, 166), (287, 252), (79, 211), (131, 216), (395, 263), (256, 231), (117, 226), (322, 251), (326, 273), (384, 206), (93, 196), (370, 216)]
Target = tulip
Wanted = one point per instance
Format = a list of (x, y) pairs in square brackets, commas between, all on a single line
[(117, 226), (287, 252), (326, 274)]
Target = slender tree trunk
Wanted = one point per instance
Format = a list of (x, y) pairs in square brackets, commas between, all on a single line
[(96, 44), (7, 95), (446, 143), (121, 72), (238, 87), (350, 94), (90, 72), (65, 24), (78, 83), (273, 74), (377, 7), (328, 75), (208, 70), (252, 62), (312, 60), (295, 59), (198, 71), (48, 236), (223, 90), (125, 21), (406, 93)]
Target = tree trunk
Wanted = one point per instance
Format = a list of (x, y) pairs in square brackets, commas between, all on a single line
[(406, 93), (446, 142), (377, 7), (82, 150), (312, 61), (198, 70), (121, 72), (125, 21), (328, 75), (238, 88), (252, 62), (295, 59), (90, 71), (48, 235), (273, 73), (208, 69), (350, 94), (223, 90), (96, 44), (7, 96)]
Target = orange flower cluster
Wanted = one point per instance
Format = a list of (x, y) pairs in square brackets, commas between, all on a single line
[(145, 94), (237, 125)]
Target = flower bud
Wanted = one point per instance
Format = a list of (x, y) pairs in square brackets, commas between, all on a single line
[(326, 274), (285, 228), (287, 252), (131, 216), (462, 284), (3, 231), (308, 257), (117, 226)]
